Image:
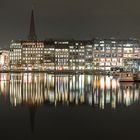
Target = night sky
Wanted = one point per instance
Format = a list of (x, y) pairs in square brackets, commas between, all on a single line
[(79, 19)]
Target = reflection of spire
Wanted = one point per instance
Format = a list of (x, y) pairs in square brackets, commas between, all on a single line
[(32, 117), (32, 35)]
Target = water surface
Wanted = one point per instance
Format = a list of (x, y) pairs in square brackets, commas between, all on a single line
[(45, 106)]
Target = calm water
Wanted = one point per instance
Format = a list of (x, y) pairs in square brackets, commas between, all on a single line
[(43, 106)]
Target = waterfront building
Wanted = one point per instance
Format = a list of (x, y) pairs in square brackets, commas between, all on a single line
[(56, 55), (109, 53), (15, 55), (89, 55), (32, 55), (81, 55), (49, 55), (96, 54), (61, 55), (77, 55), (4, 59), (70, 54), (28, 54), (32, 50)]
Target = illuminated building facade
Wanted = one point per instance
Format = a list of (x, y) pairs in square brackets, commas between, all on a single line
[(61, 55), (15, 56), (109, 53), (89, 55), (69, 55), (81, 55), (49, 55), (27, 55), (32, 55), (77, 56), (4, 59), (97, 54)]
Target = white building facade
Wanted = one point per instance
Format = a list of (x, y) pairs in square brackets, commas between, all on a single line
[(26, 55)]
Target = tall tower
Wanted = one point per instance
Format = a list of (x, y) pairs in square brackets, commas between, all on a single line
[(32, 35)]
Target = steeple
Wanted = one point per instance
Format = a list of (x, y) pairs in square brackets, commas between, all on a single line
[(32, 35)]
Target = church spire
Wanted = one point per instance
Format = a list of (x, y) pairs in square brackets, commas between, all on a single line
[(32, 35)]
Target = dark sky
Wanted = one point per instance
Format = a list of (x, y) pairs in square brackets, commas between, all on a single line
[(79, 19)]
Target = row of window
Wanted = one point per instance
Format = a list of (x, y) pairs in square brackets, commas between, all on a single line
[(27, 49)]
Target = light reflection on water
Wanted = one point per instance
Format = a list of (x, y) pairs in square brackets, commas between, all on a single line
[(40, 88)]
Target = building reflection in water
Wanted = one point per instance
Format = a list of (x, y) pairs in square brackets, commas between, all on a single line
[(4, 84), (34, 89)]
